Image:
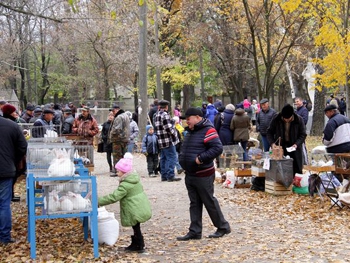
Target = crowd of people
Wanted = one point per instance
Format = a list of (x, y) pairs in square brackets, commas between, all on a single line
[(169, 146)]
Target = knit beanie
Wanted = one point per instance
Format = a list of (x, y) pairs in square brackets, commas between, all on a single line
[(230, 107), (7, 109), (148, 127), (287, 111), (125, 164)]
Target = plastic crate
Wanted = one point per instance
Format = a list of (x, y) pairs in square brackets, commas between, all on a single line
[(40, 156), (67, 197)]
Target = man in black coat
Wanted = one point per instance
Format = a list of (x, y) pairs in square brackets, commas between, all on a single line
[(200, 147), (290, 127), (13, 148)]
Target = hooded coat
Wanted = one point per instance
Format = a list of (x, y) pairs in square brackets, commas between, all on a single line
[(240, 126), (134, 204)]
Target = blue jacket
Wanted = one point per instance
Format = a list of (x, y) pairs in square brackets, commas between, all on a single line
[(202, 142), (211, 113), (150, 144), (304, 113), (223, 127), (263, 120)]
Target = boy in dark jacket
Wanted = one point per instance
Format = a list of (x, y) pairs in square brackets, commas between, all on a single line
[(150, 149)]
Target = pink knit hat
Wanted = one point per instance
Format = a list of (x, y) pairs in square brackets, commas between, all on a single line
[(125, 164)]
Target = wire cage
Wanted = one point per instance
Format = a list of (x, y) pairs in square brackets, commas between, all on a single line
[(67, 197), (85, 151), (230, 155), (50, 157)]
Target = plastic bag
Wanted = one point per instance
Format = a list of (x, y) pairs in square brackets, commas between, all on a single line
[(281, 171), (108, 227)]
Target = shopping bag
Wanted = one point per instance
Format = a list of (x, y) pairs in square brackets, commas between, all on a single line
[(277, 150)]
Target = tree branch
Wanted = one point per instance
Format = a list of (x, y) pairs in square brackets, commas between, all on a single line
[(29, 13)]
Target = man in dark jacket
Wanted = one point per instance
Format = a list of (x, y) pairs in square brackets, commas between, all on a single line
[(68, 121), (336, 134), (153, 111), (13, 148), (263, 120), (301, 109), (200, 147), (290, 127), (43, 123)]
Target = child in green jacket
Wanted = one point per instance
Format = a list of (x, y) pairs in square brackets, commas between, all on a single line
[(135, 207)]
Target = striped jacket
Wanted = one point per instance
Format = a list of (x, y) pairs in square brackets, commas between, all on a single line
[(165, 129), (202, 142)]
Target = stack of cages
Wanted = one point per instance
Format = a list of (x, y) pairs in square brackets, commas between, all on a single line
[(230, 155), (52, 157)]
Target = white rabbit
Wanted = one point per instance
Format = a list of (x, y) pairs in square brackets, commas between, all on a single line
[(79, 202), (51, 202), (50, 134), (61, 165), (66, 204)]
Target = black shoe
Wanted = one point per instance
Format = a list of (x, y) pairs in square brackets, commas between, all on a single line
[(8, 241), (164, 180), (180, 171), (220, 233), (16, 199), (174, 179), (189, 236), (113, 175)]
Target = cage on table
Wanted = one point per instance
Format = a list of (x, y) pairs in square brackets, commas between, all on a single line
[(52, 157), (230, 155)]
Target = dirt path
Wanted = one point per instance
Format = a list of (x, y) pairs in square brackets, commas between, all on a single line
[(265, 228)]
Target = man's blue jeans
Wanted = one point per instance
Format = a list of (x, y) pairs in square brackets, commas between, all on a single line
[(168, 159), (5, 209), (265, 142)]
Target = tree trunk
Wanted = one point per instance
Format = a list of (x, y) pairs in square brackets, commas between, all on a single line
[(188, 97), (318, 119)]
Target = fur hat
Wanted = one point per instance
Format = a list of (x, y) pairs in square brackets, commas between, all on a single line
[(125, 164), (287, 111), (7, 109)]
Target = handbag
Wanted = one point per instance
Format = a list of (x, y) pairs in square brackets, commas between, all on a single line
[(277, 150), (100, 147)]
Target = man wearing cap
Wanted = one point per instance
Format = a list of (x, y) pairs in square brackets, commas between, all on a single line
[(37, 113), (12, 150), (29, 113), (68, 121), (336, 134), (85, 125), (263, 120), (200, 147), (167, 139), (43, 123), (290, 127), (119, 134)]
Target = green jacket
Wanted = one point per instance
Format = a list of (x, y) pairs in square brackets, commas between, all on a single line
[(134, 204)]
